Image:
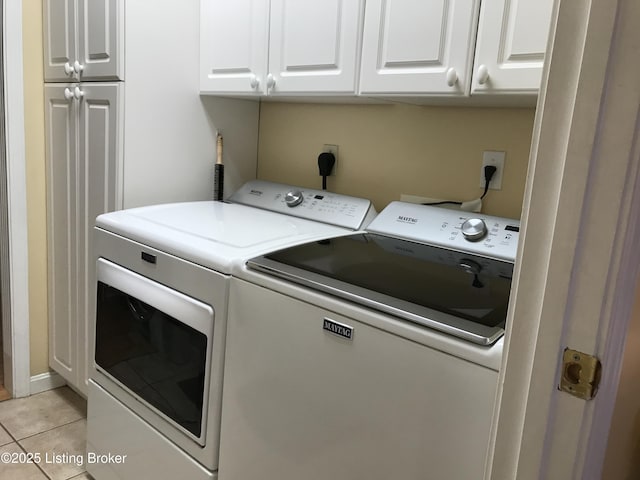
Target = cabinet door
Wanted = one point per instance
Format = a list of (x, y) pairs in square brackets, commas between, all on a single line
[(99, 166), (313, 46), (59, 25), (61, 146), (418, 47), (100, 39), (512, 39), (234, 41)]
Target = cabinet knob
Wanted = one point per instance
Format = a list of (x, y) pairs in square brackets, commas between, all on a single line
[(271, 81), (68, 94), (68, 69), (77, 67), (452, 77), (254, 81), (483, 74), (77, 93)]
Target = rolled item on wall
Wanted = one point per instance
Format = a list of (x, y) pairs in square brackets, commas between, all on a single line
[(218, 172)]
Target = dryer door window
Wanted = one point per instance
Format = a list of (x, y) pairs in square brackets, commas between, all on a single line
[(148, 342)]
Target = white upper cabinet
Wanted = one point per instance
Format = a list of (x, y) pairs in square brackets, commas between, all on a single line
[(418, 47), (83, 40), (313, 46), (416, 50), (282, 47), (234, 44), (512, 39)]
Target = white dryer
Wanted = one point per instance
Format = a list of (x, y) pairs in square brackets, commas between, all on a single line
[(163, 275)]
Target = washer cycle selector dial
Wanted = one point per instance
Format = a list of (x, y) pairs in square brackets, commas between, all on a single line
[(293, 198), (474, 229)]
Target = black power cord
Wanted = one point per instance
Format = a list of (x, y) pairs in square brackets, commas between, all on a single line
[(326, 161), (489, 172)]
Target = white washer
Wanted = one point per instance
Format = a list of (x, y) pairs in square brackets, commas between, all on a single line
[(163, 276), (372, 355)]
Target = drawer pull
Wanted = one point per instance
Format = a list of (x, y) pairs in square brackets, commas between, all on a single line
[(147, 257)]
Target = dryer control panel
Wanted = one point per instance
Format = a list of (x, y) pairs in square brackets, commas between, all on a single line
[(318, 205)]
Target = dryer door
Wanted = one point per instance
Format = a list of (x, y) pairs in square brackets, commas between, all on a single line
[(154, 342)]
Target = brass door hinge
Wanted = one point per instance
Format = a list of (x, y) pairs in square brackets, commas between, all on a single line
[(580, 374)]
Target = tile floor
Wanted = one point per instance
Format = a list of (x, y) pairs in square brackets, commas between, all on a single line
[(52, 424)]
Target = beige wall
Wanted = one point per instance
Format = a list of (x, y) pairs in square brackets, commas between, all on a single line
[(36, 187), (387, 150)]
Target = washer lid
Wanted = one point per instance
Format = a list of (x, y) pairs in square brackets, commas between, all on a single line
[(213, 234), (456, 293)]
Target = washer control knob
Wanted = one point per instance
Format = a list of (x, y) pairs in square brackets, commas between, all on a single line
[(293, 198), (474, 229)]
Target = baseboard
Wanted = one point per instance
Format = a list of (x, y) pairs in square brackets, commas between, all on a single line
[(45, 381)]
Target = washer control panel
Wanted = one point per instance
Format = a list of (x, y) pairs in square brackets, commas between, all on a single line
[(319, 205), (485, 235)]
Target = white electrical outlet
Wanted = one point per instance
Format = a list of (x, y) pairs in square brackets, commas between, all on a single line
[(497, 160), (332, 149)]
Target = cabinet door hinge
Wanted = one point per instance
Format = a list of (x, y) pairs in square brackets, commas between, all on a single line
[(580, 374)]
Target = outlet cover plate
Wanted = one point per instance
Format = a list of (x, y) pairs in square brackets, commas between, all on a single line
[(496, 159)]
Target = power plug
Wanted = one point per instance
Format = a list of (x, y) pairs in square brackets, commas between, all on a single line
[(495, 159)]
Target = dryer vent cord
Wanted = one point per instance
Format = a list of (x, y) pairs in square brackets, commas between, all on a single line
[(326, 161), (489, 172)]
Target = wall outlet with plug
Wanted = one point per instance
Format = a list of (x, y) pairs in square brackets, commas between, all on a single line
[(497, 160), (332, 149)]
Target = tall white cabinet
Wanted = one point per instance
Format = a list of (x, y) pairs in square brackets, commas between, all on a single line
[(280, 47), (83, 150), (114, 144)]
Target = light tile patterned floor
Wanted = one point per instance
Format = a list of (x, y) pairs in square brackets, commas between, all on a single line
[(50, 425)]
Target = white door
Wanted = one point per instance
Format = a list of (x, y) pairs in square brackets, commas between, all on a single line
[(59, 27), (234, 41), (512, 40), (412, 47), (100, 39), (61, 145), (314, 46), (577, 273), (99, 159)]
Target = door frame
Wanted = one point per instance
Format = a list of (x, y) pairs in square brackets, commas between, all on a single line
[(578, 262), (13, 243)]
